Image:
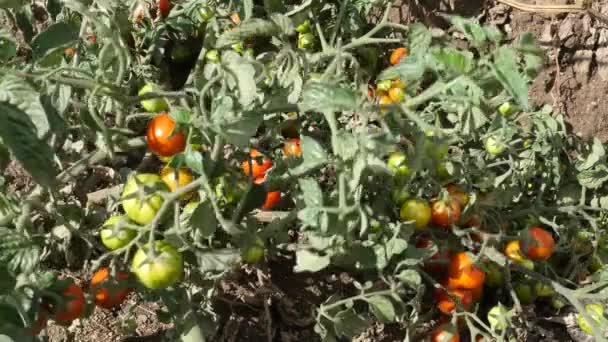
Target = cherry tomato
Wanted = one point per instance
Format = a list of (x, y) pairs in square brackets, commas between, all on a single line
[(109, 292), (113, 236), (396, 94), (596, 311), (445, 333), (494, 276), (513, 251), (458, 195), (142, 210), (306, 41), (557, 303), (292, 148), (153, 105), (184, 178), (259, 164), (435, 149), (206, 13), (525, 293), (445, 214), (400, 194), (235, 18), (447, 305), (213, 56), (92, 38), (537, 243), (73, 304), (438, 262), (463, 274), (384, 86), (416, 210), (272, 197), (508, 108), (162, 137), (162, 270), (384, 101), (543, 290), (69, 51), (494, 146), (397, 54), (397, 163), (164, 6), (396, 83), (303, 27)]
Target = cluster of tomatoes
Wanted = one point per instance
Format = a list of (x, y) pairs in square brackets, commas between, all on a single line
[(391, 91)]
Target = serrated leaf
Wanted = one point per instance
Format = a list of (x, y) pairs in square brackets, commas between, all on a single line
[(217, 260), (349, 324), (455, 61), (284, 23), (20, 253), (56, 35), (506, 71), (307, 261), (311, 191), (420, 39), (19, 93), (248, 29), (597, 154), (319, 96), (244, 73), (8, 46), (19, 134), (312, 151), (594, 178), (203, 220), (410, 278), (410, 69), (471, 30), (383, 308)]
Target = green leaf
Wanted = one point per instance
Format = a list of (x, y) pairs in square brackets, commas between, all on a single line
[(506, 71), (383, 308), (7, 281), (19, 252), (284, 23), (19, 134), (411, 69), (346, 145), (24, 20), (8, 46), (420, 39), (455, 61), (311, 191), (350, 324), (471, 30), (322, 97), (217, 260), (246, 30), (598, 154), (194, 160), (203, 220), (54, 7), (239, 130), (594, 178), (312, 151), (181, 116), (11, 3), (56, 35), (243, 74), (307, 261), (410, 278)]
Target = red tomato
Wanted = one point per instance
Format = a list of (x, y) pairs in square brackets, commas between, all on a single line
[(272, 198), (437, 263), (445, 333), (445, 214), (397, 54), (73, 304), (446, 305), (164, 6), (259, 168), (477, 293), (537, 243), (463, 274), (458, 195), (161, 137), (113, 295), (292, 148)]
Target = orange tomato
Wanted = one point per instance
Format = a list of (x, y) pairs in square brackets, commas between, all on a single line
[(258, 168), (110, 296), (69, 51), (73, 304), (161, 137), (445, 214), (537, 243), (397, 54), (184, 177), (235, 18), (445, 333), (447, 305), (292, 148), (384, 101), (272, 197), (513, 251), (396, 94), (462, 274), (458, 195)]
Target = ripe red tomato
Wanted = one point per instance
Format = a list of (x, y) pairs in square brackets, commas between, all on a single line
[(437, 263), (463, 274), (445, 333), (161, 137), (446, 305), (445, 214), (73, 304), (164, 6), (397, 54), (259, 168), (292, 148), (109, 296), (537, 243), (272, 197)]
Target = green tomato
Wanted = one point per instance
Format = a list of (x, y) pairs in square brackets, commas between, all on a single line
[(416, 210), (400, 195), (238, 47), (306, 41), (525, 293), (113, 236), (153, 105), (498, 317), (304, 27), (596, 311), (160, 271), (384, 85), (557, 303), (508, 108), (253, 254), (543, 290), (494, 276), (494, 146), (435, 149), (442, 171), (212, 56), (397, 163), (249, 52), (142, 210), (595, 264), (205, 13), (528, 143)]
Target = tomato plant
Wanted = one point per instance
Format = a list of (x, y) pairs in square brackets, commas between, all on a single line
[(163, 138), (397, 54), (397, 163), (292, 148), (462, 273), (446, 304), (158, 267)]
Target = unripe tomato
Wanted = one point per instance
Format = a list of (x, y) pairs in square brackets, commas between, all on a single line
[(396, 94), (557, 303), (494, 276), (238, 47), (445, 333), (142, 210), (494, 146), (543, 290), (397, 54), (416, 210), (258, 168), (212, 56), (153, 105), (596, 311), (447, 305), (164, 6), (292, 148), (525, 293), (507, 109), (462, 273), (113, 236), (160, 271), (113, 292), (253, 254), (73, 304), (184, 178), (306, 41), (435, 149), (397, 163), (303, 27), (384, 86), (162, 137), (272, 197), (396, 83), (513, 251), (445, 214), (205, 13), (537, 243), (458, 195), (400, 194)]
